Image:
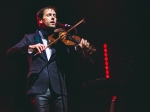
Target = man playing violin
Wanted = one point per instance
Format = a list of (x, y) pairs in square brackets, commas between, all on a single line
[(45, 80)]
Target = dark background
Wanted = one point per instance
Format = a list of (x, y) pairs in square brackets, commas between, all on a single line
[(122, 24)]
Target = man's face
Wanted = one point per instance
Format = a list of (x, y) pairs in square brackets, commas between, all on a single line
[(49, 19)]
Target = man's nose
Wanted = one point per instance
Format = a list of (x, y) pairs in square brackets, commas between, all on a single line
[(53, 18)]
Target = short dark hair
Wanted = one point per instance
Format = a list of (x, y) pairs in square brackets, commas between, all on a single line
[(40, 13)]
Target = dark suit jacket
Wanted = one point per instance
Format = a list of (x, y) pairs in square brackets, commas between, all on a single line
[(43, 73)]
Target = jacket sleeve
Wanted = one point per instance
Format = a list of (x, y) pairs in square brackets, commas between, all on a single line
[(21, 47)]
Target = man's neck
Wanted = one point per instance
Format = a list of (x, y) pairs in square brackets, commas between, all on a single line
[(46, 32)]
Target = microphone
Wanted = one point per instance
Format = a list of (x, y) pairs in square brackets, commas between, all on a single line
[(63, 25)]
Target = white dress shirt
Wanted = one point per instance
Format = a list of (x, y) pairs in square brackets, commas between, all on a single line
[(45, 42)]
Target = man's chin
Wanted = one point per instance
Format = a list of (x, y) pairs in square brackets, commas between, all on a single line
[(52, 27)]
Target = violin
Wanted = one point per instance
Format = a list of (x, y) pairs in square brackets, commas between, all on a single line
[(68, 39)]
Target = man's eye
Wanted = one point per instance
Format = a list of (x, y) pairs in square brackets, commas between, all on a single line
[(51, 15), (48, 14)]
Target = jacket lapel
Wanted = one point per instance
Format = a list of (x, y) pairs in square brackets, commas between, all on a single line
[(38, 39)]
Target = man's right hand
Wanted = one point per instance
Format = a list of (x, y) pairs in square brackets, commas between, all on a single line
[(39, 47)]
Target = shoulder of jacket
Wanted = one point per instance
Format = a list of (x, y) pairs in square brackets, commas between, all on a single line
[(29, 35)]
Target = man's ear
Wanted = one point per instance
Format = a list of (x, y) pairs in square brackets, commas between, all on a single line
[(40, 21)]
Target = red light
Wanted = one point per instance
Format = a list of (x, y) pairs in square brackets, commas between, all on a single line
[(114, 97), (105, 50), (107, 72), (107, 76), (106, 63), (105, 54), (106, 67), (105, 45), (106, 59)]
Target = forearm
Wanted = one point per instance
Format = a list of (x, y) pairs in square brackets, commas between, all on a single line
[(16, 50)]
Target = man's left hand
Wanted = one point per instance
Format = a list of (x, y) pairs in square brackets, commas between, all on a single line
[(84, 43)]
